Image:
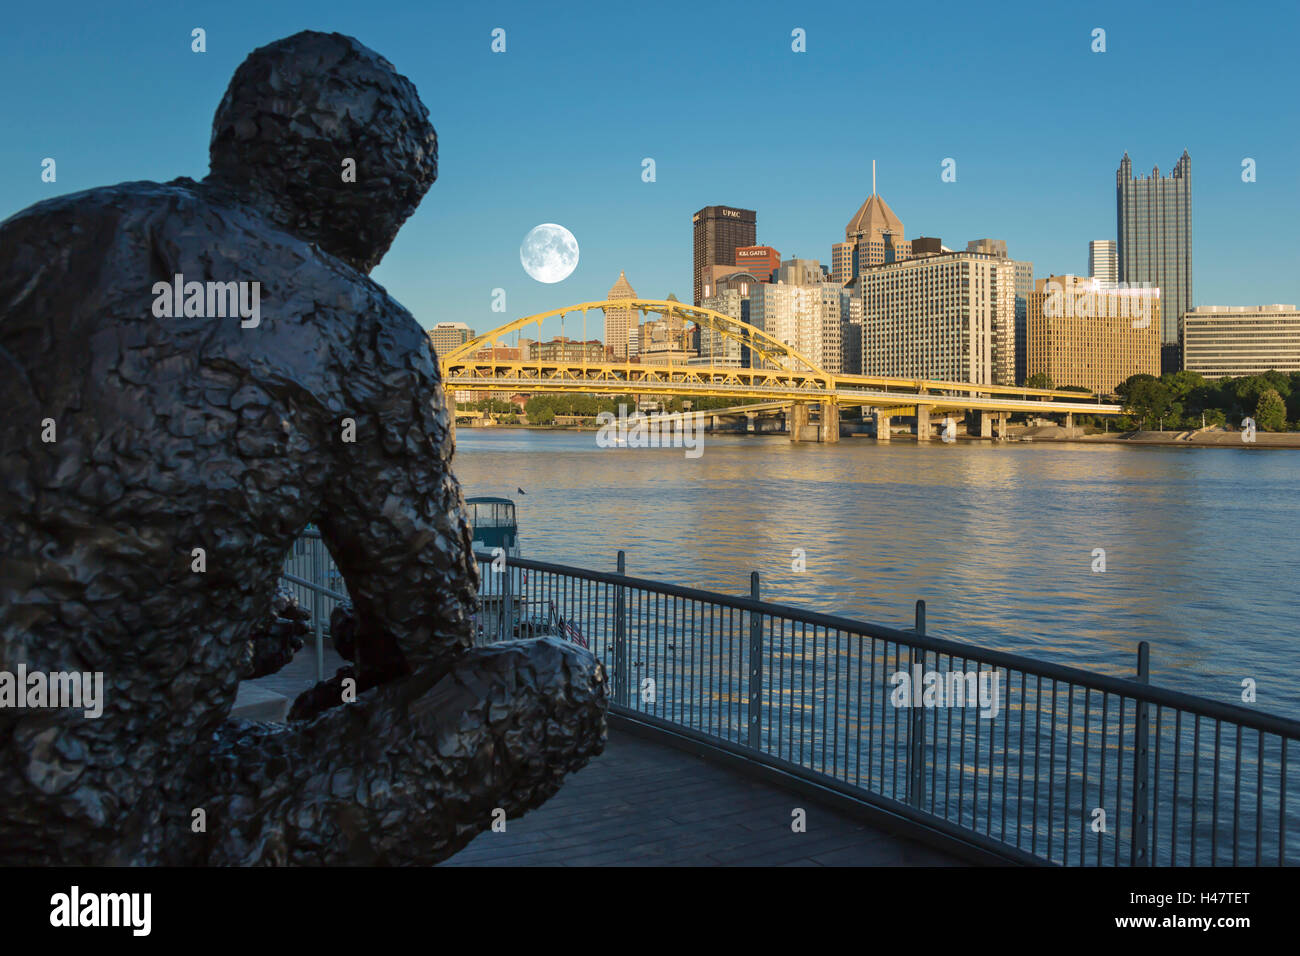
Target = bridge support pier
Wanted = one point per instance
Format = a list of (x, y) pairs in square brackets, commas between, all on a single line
[(751, 422), (924, 430), (884, 422), (1069, 424), (830, 425), (798, 420), (1000, 421), (979, 424)]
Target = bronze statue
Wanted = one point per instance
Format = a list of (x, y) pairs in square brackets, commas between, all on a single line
[(192, 372)]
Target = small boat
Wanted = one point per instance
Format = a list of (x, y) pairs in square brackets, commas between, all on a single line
[(494, 525), (505, 610)]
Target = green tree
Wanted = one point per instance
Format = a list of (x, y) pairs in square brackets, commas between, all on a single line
[(539, 410), (1270, 412), (1038, 380), (1147, 398), (1182, 384), (1214, 417)]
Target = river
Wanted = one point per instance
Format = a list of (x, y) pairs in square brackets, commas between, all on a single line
[(1201, 545)]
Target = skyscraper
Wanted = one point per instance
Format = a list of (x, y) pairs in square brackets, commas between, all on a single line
[(621, 323), (804, 310), (1023, 274), (874, 235), (948, 316), (1102, 263), (1154, 245), (719, 232)]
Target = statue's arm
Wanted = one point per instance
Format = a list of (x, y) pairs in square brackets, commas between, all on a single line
[(393, 516)]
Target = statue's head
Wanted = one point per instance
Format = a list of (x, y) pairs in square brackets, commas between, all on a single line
[(295, 112)]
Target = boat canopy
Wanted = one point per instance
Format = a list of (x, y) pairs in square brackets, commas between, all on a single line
[(493, 522)]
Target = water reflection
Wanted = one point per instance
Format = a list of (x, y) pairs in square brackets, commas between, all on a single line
[(1200, 545)]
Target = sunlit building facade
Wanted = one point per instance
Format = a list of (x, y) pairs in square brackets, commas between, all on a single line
[(1081, 333), (949, 316), (1221, 340)]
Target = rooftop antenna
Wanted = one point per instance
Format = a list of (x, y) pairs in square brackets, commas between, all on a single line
[(873, 177)]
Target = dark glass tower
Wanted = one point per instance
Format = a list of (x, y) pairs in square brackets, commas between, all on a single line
[(719, 231), (1154, 230)]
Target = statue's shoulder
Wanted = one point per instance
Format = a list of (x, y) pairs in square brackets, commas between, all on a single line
[(104, 204)]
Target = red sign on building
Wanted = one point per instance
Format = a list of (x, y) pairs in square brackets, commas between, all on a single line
[(762, 261)]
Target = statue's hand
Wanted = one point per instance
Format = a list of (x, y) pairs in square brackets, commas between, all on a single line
[(417, 767)]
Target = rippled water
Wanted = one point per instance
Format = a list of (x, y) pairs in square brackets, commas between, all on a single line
[(1201, 550)]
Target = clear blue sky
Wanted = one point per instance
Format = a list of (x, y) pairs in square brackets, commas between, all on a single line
[(555, 129)]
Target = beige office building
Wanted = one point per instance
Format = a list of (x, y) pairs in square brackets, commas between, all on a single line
[(447, 336), (1223, 340), (667, 340), (1081, 333), (716, 348), (621, 324), (948, 316), (805, 310)]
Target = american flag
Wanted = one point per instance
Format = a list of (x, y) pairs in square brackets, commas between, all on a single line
[(572, 632)]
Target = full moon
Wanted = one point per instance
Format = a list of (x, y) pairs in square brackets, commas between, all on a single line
[(549, 252)]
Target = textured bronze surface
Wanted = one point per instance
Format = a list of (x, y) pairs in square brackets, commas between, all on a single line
[(200, 432)]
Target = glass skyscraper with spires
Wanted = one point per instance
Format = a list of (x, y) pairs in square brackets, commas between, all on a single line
[(1154, 230)]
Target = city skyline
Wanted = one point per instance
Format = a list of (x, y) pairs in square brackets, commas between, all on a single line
[(1046, 190)]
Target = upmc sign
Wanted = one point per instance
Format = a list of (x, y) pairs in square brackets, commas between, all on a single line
[(732, 213)]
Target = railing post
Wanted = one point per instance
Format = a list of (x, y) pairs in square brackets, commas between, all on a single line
[(620, 639), (1138, 852), (916, 725), (755, 668), (318, 605)]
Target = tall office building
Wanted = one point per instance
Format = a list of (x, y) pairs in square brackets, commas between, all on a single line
[(621, 324), (1221, 340), (949, 316), (809, 318), (1011, 363), (874, 235), (1154, 244), (719, 232), (1103, 264), (1083, 334)]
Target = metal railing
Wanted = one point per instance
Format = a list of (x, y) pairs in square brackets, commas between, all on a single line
[(1065, 766)]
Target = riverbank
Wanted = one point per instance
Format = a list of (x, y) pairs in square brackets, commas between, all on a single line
[(1044, 434), (1210, 437)]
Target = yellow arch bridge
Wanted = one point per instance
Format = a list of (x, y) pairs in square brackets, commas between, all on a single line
[(779, 379)]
